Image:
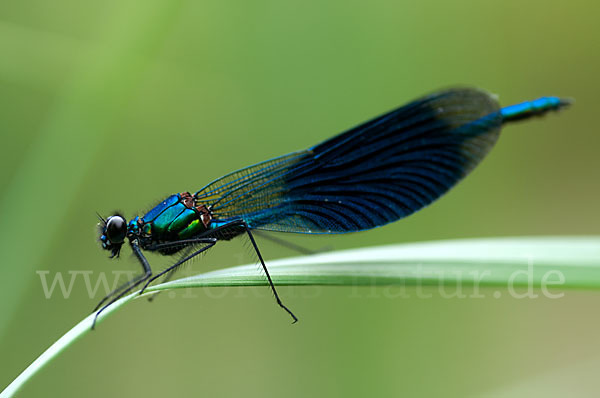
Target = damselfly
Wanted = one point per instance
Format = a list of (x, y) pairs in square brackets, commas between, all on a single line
[(368, 176)]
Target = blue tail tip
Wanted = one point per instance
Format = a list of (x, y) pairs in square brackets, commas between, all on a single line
[(558, 102), (548, 103), (564, 102), (536, 107)]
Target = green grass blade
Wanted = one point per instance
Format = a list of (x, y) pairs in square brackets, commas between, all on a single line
[(527, 261), (486, 262)]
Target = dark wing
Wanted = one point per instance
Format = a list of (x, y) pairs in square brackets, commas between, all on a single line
[(368, 176)]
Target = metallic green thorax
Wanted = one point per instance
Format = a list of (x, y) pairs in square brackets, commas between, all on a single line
[(177, 217)]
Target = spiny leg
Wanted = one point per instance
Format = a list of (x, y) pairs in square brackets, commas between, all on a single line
[(224, 229), (210, 243), (171, 270), (117, 290), (146, 269), (166, 278), (132, 284)]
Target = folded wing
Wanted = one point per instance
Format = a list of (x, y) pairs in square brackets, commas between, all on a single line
[(373, 174)]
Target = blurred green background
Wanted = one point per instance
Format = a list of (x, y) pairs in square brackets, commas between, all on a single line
[(115, 104)]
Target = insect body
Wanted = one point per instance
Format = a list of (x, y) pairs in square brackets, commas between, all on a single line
[(177, 218), (368, 176)]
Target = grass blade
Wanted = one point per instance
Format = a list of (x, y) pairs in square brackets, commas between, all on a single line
[(525, 261)]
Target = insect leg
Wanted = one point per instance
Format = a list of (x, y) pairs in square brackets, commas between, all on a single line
[(165, 279), (267, 272), (127, 287), (183, 243), (210, 242)]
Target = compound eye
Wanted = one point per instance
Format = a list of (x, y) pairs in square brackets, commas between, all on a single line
[(116, 229)]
